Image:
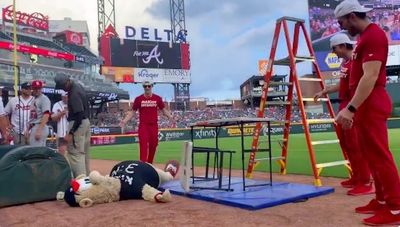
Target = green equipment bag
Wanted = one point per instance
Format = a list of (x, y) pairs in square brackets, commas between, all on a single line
[(31, 174)]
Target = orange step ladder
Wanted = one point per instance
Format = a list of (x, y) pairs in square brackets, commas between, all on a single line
[(294, 82)]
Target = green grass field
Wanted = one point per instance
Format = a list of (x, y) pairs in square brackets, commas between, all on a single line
[(298, 158)]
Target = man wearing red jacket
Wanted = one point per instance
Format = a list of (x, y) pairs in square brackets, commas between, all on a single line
[(370, 108), (148, 105), (360, 181)]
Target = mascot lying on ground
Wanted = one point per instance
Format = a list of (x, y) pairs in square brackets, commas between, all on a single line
[(127, 180)]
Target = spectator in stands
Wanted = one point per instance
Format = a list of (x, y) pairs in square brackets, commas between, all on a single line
[(40, 115), (148, 105), (60, 114), (3, 124), (78, 137), (20, 110)]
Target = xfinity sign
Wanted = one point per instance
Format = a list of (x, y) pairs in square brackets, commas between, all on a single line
[(148, 34)]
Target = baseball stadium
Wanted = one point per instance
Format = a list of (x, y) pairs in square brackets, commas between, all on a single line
[(91, 133)]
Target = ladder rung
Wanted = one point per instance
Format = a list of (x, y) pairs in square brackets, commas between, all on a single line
[(318, 100), (272, 158), (309, 79), (277, 103), (320, 121), (324, 142), (275, 94), (330, 164), (274, 83), (298, 59), (278, 140)]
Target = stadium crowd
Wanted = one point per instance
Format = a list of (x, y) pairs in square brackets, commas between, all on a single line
[(185, 118), (324, 24)]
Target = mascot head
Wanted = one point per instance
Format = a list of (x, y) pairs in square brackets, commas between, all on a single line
[(78, 185)]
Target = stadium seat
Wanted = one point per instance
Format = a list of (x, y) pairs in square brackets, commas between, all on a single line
[(4, 36), (39, 42), (31, 174)]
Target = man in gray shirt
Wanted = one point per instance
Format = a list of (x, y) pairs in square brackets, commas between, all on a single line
[(40, 115), (78, 137)]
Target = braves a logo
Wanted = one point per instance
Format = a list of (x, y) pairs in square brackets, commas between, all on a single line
[(154, 54)]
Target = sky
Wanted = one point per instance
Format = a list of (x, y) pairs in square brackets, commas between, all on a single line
[(227, 37)]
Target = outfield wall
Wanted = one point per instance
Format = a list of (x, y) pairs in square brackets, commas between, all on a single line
[(207, 133)]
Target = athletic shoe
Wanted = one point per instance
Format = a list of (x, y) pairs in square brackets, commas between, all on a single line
[(348, 183), (371, 208), (383, 217), (172, 167), (362, 190)]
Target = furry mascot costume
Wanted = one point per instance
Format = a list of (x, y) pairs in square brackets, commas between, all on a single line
[(127, 180)]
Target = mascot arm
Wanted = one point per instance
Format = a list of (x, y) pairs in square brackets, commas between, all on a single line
[(96, 178), (151, 194)]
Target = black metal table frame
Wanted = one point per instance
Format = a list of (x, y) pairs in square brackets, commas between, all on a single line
[(219, 167), (269, 150)]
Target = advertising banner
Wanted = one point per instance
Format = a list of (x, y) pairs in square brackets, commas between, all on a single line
[(38, 51), (74, 38), (105, 130), (118, 74), (34, 20), (185, 134), (161, 75), (146, 54)]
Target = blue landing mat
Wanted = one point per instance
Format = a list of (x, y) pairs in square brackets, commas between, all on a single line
[(253, 198)]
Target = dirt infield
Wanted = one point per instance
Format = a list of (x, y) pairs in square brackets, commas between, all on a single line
[(336, 209)]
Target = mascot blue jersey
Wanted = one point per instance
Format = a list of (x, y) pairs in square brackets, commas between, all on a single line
[(133, 176)]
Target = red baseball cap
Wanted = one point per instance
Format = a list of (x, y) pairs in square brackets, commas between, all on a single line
[(37, 84)]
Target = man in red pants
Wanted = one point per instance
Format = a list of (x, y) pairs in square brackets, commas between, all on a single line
[(148, 105), (360, 181), (370, 108)]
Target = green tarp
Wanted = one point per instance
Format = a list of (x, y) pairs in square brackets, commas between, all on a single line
[(31, 174)]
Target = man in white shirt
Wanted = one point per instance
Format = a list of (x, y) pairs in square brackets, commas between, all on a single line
[(60, 114), (3, 124), (20, 110)]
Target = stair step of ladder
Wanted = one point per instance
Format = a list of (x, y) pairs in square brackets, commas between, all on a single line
[(313, 79), (276, 94), (277, 103), (298, 59), (330, 164), (312, 100), (272, 158), (274, 83), (321, 142), (320, 121)]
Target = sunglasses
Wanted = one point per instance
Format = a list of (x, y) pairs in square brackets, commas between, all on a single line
[(147, 86)]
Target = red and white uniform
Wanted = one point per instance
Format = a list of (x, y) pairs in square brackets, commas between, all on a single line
[(349, 138), (371, 117), (148, 124), (62, 124), (2, 113), (20, 111)]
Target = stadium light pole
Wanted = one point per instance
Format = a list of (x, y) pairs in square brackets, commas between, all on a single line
[(16, 79)]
